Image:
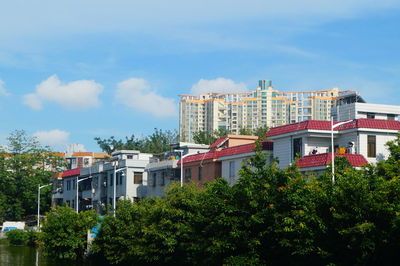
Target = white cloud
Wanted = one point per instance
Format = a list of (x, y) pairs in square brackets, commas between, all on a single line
[(137, 94), (217, 85), (55, 138), (80, 94), (3, 90)]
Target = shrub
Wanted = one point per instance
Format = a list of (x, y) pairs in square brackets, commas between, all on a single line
[(17, 237)]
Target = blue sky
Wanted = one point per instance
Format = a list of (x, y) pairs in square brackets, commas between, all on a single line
[(74, 70)]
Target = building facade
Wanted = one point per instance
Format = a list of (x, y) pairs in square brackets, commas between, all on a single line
[(264, 106)]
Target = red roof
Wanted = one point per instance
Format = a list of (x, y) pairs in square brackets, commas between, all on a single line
[(72, 172), (245, 148), (326, 125), (218, 142), (81, 154), (323, 159), (240, 149)]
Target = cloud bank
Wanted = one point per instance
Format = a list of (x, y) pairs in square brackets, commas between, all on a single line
[(138, 95), (217, 85), (80, 94), (55, 138)]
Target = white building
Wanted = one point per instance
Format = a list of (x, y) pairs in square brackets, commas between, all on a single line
[(366, 137), (96, 188), (356, 110)]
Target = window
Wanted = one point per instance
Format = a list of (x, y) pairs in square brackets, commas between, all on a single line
[(154, 180), (86, 161), (188, 174), (162, 179), (371, 115), (73, 184), (371, 146), (111, 180), (391, 117), (120, 178), (69, 185), (129, 156), (231, 171), (297, 147), (137, 178), (200, 172), (73, 204)]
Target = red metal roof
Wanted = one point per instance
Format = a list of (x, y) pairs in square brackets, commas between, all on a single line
[(200, 157), (326, 125), (72, 172), (322, 159), (81, 154)]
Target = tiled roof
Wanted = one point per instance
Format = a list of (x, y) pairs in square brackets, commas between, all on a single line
[(200, 157), (71, 172), (101, 155), (240, 149), (218, 142), (326, 125), (322, 159), (245, 148)]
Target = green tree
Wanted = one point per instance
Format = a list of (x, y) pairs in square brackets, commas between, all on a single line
[(25, 164), (64, 233), (159, 141), (204, 137)]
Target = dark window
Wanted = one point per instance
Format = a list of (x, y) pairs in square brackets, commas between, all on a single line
[(391, 117), (297, 147), (154, 180), (120, 178), (188, 175), (371, 148), (137, 178), (371, 115), (231, 169), (111, 180), (200, 172), (129, 156), (162, 179)]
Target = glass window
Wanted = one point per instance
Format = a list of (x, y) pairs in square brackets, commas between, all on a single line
[(231, 169), (371, 146), (138, 178), (111, 180), (297, 147), (188, 174), (200, 172), (391, 117), (371, 115)]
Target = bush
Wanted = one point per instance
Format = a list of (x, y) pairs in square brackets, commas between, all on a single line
[(64, 233), (17, 237)]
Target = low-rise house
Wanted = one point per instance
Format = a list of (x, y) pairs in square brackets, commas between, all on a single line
[(366, 137), (356, 110)]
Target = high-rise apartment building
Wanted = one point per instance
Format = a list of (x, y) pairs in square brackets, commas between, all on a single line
[(262, 106)]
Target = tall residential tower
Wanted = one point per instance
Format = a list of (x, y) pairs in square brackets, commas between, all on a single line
[(262, 106)]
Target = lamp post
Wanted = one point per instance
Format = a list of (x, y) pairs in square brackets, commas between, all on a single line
[(332, 146), (38, 205), (77, 190), (115, 184), (182, 157)]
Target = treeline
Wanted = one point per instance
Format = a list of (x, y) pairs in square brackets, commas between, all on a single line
[(157, 142)]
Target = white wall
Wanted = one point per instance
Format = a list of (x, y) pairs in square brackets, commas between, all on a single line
[(283, 151)]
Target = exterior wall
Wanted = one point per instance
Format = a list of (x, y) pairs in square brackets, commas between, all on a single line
[(210, 170), (283, 151), (381, 150), (69, 192), (237, 161)]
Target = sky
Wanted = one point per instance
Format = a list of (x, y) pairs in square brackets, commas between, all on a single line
[(74, 70)]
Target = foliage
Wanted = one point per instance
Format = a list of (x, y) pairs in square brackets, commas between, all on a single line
[(269, 217), (24, 164), (64, 233), (17, 237), (157, 142)]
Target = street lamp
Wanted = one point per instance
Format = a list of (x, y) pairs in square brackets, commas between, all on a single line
[(332, 146), (115, 184), (77, 190), (38, 205)]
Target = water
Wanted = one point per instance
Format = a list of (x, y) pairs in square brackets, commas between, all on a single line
[(29, 256)]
